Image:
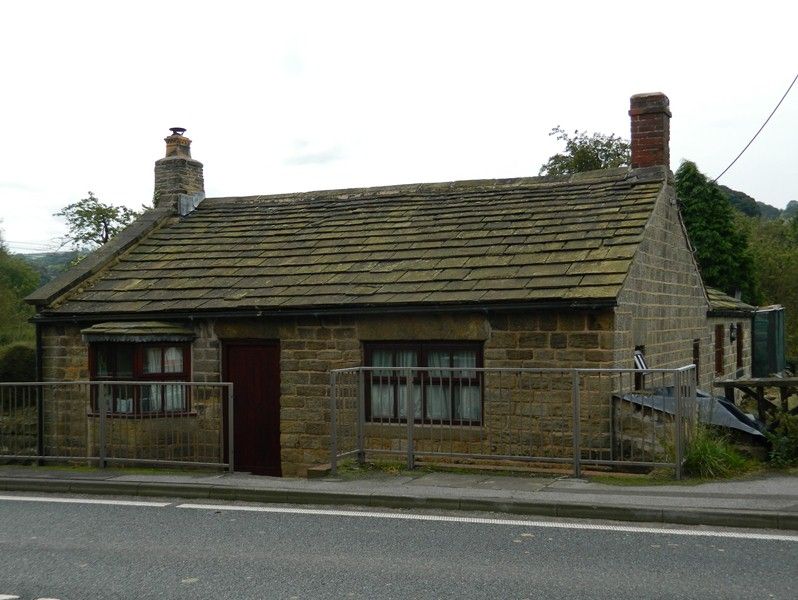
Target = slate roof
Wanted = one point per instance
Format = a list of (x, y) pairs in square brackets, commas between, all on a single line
[(528, 240), (149, 331), (721, 304)]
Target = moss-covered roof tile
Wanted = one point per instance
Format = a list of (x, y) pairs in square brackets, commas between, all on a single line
[(512, 240)]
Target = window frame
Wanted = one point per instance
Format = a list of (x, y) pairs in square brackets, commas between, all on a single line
[(423, 379), (720, 342), (138, 374), (740, 347)]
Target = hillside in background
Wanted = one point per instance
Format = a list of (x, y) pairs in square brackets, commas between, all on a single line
[(49, 264), (753, 208)]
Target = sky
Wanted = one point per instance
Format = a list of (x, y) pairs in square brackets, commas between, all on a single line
[(301, 95)]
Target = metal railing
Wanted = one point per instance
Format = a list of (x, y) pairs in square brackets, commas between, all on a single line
[(170, 423), (576, 417)]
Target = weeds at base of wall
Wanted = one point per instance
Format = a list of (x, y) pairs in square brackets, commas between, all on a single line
[(710, 455), (783, 440), (351, 469), (8, 467)]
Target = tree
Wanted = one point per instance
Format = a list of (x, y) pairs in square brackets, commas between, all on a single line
[(585, 152), (93, 223), (17, 280), (774, 246), (741, 201), (721, 247)]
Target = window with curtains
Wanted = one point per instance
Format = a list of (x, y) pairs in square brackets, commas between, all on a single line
[(156, 362), (442, 378)]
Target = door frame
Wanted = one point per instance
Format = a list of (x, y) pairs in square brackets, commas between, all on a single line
[(224, 344)]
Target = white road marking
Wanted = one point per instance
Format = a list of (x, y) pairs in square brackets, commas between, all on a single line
[(484, 521), (8, 597), (82, 501)]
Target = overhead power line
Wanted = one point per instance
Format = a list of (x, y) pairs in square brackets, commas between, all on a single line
[(758, 131), (33, 246)]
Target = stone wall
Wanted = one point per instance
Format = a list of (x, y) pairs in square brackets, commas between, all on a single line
[(662, 306), (522, 413), (311, 347), (64, 359), (730, 369), (71, 426)]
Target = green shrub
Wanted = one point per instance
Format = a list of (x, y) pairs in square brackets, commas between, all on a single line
[(710, 455), (18, 363), (783, 440)]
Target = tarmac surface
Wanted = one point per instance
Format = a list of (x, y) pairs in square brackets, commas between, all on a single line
[(767, 501)]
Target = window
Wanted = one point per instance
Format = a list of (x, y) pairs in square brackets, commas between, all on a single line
[(697, 359), (740, 345), (442, 378), (640, 365), (719, 341), (155, 362)]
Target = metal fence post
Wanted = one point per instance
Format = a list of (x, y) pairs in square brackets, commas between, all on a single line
[(102, 409), (577, 428), (679, 432), (410, 413), (39, 423), (361, 416), (230, 429), (333, 426)]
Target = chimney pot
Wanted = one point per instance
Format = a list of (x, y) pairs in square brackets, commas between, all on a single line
[(650, 120)]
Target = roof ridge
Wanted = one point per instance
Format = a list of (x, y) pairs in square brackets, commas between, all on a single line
[(458, 187)]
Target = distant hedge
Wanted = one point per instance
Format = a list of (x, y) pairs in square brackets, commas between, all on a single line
[(18, 363)]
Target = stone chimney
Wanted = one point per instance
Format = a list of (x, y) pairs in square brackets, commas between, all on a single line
[(178, 177), (651, 130)]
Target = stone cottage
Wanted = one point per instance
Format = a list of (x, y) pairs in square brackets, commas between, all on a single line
[(271, 292)]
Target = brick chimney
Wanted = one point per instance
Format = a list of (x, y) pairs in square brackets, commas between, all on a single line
[(178, 177), (651, 130)]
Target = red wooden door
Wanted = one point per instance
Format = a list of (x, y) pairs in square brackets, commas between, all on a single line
[(254, 370)]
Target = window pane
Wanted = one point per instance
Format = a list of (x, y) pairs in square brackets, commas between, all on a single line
[(124, 398), (438, 359), (406, 358), (382, 400), (124, 362), (174, 397), (105, 397), (151, 398), (152, 360), (467, 403), (403, 400), (173, 360), (382, 358), (103, 361), (464, 358), (438, 402)]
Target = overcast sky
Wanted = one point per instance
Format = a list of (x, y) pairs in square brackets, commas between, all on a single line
[(297, 96)]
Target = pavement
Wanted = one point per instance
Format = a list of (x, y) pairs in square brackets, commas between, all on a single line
[(766, 501)]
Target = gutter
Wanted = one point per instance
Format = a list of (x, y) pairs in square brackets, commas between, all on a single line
[(329, 311), (749, 314)]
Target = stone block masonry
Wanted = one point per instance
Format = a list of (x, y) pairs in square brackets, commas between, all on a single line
[(662, 307), (311, 347)]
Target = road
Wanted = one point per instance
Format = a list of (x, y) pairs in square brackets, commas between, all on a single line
[(81, 548)]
